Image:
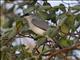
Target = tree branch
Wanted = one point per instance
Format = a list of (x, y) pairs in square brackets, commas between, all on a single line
[(64, 50)]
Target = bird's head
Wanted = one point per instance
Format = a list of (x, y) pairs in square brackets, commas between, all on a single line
[(27, 16)]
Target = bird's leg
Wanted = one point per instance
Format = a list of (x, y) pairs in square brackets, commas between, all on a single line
[(49, 42)]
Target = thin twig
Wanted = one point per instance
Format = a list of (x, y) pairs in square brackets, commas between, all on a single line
[(64, 50)]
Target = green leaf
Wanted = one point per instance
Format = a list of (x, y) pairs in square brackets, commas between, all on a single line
[(33, 2), (51, 32), (40, 41), (42, 14), (62, 7), (46, 4), (19, 25), (4, 21), (12, 33), (77, 17), (41, 44), (55, 8), (29, 9), (70, 20), (64, 29), (44, 7), (77, 7), (9, 33), (7, 21), (65, 42), (62, 19), (52, 17), (30, 2)]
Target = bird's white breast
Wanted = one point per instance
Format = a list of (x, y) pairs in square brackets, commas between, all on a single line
[(36, 30)]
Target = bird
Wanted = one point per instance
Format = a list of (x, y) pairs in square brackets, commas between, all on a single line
[(37, 25)]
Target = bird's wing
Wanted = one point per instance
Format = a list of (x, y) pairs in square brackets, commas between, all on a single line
[(40, 23)]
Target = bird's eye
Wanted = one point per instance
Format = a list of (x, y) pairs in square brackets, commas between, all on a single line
[(27, 14)]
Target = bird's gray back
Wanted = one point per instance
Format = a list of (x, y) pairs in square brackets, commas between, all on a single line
[(40, 23)]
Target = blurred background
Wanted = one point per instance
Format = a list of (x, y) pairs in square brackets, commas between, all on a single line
[(17, 42)]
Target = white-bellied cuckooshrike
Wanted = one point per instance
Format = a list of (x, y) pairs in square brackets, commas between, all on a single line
[(37, 25)]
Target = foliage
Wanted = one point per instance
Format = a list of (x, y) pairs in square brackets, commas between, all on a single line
[(64, 26)]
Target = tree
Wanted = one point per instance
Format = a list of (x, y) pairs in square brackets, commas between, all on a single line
[(63, 28)]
